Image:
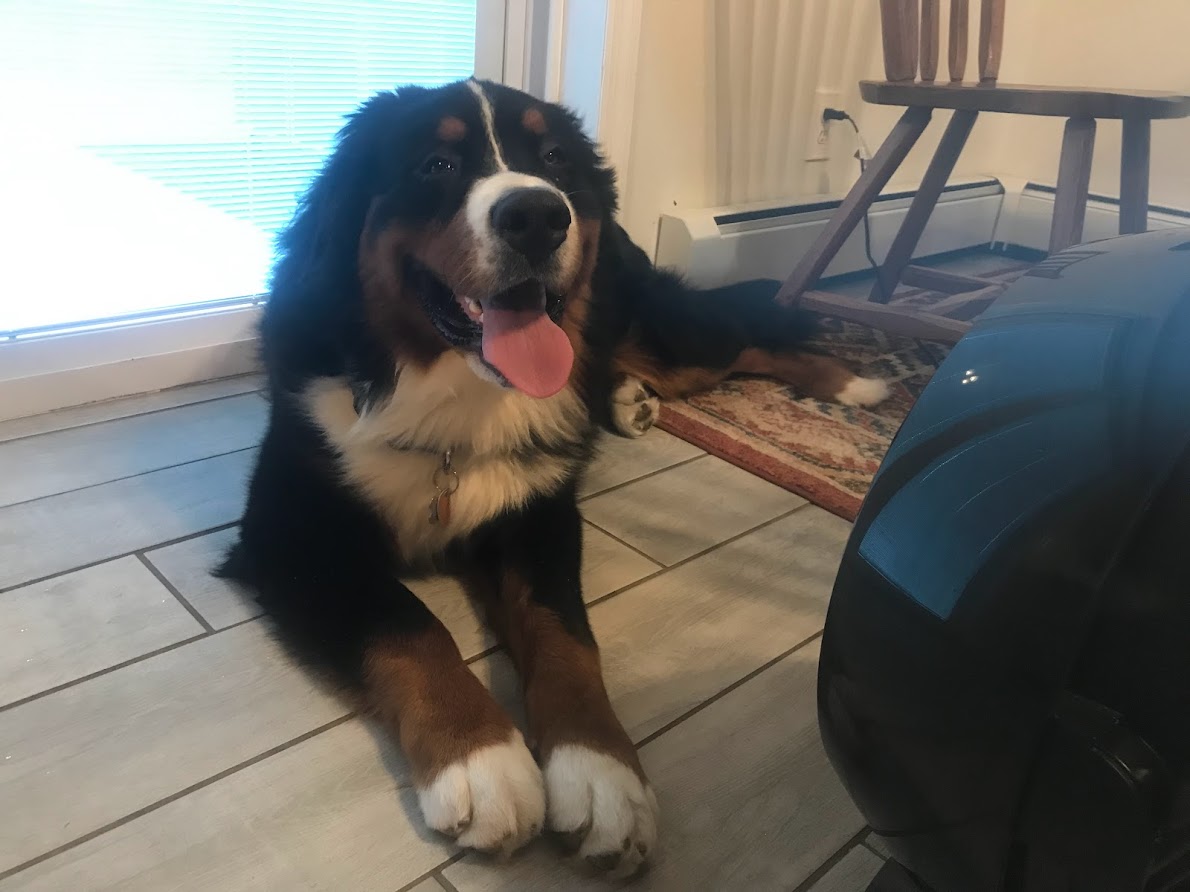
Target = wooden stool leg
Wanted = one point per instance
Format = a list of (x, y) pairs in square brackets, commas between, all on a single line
[(879, 171), (1134, 176), (932, 184), (1074, 180)]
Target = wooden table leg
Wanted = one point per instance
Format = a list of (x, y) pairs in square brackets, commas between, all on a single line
[(924, 201), (1074, 181), (1134, 176), (879, 171)]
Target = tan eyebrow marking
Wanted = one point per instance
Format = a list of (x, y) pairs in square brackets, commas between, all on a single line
[(533, 121), (451, 129)]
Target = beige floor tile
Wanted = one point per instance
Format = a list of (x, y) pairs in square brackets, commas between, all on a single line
[(852, 874), (61, 532), (108, 410), (72, 625), (35, 467), (82, 757), (330, 813), (682, 511), (620, 460), (188, 565), (675, 640), (607, 567), (748, 799)]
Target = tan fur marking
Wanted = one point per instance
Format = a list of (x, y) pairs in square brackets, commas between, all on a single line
[(565, 697), (669, 383), (394, 315), (578, 301), (451, 129), (819, 377), (431, 701), (533, 121)]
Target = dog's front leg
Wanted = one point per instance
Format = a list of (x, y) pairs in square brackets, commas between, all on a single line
[(598, 798), (476, 780)]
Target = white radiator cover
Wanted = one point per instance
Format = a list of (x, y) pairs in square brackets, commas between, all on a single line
[(1029, 211), (718, 246)]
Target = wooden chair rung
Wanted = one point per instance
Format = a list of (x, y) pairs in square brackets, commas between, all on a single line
[(940, 280)]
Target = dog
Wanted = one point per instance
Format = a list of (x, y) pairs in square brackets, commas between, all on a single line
[(454, 318)]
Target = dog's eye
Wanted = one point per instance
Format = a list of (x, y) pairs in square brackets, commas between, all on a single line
[(554, 156), (438, 165)]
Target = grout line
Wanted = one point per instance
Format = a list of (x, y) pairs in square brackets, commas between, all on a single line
[(432, 874), (685, 461), (494, 649), (147, 471), (153, 806), (808, 883), (669, 726), (115, 557), (118, 418), (869, 847), (443, 881), (123, 665), (662, 569), (705, 551), (628, 545), (173, 590), (104, 671)]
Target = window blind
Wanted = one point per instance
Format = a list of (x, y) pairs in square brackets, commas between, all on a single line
[(159, 145)]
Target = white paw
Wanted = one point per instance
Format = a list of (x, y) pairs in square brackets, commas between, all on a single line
[(493, 800), (633, 410), (600, 800), (863, 392)]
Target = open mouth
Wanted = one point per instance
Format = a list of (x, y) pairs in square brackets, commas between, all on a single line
[(515, 331)]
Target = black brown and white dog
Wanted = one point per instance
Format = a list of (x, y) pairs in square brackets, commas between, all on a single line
[(453, 318)]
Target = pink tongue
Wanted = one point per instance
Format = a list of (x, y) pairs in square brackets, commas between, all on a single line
[(530, 351)]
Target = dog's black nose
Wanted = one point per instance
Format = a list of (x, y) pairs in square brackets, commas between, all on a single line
[(533, 222)]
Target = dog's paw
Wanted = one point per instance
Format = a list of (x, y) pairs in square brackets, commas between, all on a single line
[(863, 392), (601, 807), (633, 409), (493, 800)]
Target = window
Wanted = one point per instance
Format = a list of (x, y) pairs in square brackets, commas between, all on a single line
[(153, 148)]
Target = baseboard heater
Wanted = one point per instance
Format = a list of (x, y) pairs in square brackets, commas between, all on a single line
[(1027, 216), (717, 246)]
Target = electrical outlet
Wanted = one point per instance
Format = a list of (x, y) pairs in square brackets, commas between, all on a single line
[(818, 140)]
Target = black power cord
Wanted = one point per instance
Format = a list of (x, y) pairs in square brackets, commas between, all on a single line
[(861, 155)]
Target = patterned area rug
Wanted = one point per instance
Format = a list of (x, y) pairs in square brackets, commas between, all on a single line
[(825, 452)]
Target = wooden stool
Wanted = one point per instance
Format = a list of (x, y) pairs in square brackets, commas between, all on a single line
[(948, 320)]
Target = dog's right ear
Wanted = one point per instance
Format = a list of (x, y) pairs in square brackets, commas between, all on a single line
[(319, 245)]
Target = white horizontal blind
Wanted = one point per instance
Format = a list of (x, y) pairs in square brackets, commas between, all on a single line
[(151, 149)]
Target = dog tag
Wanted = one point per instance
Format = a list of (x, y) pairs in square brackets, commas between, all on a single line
[(440, 508), (446, 481)]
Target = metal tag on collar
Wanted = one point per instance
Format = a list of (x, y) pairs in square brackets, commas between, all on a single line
[(446, 482)]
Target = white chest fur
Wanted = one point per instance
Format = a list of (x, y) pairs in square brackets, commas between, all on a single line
[(490, 430)]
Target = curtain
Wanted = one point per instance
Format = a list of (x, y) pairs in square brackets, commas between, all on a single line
[(775, 65)]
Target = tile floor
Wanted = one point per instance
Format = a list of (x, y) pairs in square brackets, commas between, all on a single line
[(153, 736)]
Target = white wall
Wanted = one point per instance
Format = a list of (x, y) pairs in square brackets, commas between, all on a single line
[(1139, 44), (669, 163), (676, 157)]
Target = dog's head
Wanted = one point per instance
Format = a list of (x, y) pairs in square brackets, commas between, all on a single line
[(472, 213)]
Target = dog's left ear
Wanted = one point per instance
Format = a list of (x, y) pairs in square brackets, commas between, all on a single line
[(321, 241)]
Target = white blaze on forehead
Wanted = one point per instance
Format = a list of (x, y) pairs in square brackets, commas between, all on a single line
[(485, 111)]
